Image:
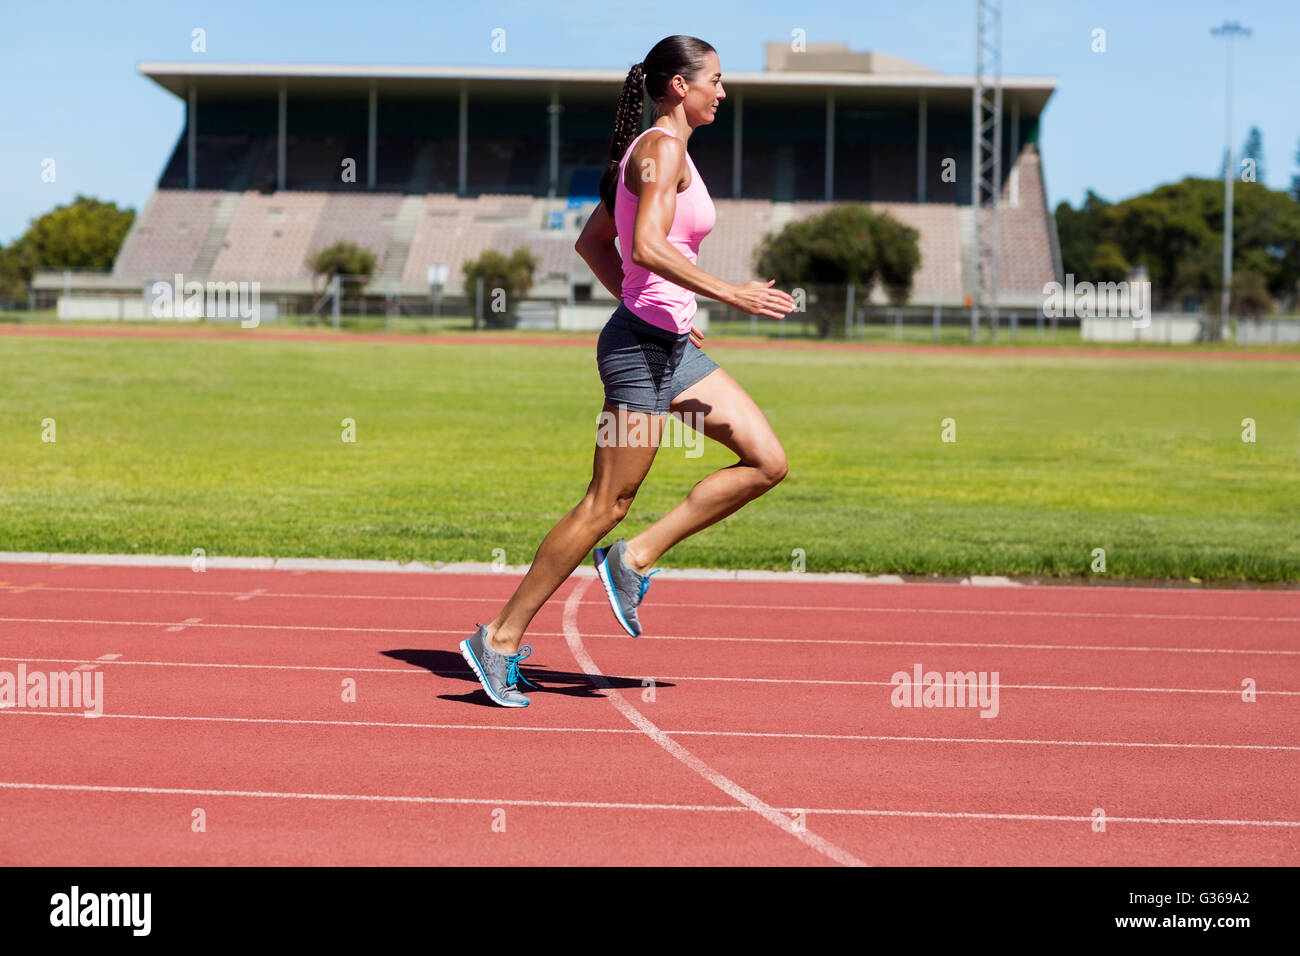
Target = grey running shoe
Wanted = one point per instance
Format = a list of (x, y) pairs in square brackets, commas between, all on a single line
[(498, 673), (625, 588)]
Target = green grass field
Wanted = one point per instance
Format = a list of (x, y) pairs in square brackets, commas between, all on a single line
[(235, 446), (728, 326)]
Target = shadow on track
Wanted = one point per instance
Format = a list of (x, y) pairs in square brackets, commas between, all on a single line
[(451, 665)]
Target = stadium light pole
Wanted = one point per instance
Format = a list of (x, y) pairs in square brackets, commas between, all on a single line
[(1230, 29), (986, 163)]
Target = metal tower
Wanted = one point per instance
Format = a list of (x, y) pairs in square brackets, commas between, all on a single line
[(986, 163)]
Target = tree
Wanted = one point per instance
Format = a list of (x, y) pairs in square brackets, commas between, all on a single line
[(848, 244), (1250, 294), (1161, 230), (1078, 232), (346, 259), (506, 280), (1108, 264), (1266, 236), (897, 256), (1176, 231), (17, 266), (85, 234)]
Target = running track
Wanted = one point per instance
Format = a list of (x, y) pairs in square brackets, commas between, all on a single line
[(224, 693)]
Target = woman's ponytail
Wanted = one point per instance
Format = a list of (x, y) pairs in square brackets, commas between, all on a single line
[(627, 124)]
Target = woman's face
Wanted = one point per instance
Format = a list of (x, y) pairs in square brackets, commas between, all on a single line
[(704, 94)]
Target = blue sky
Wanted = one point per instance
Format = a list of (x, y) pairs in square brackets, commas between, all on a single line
[(1149, 110)]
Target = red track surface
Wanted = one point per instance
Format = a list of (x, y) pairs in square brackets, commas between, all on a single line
[(495, 338), (226, 696)]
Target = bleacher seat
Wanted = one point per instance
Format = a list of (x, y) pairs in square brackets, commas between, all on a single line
[(169, 234), (272, 234)]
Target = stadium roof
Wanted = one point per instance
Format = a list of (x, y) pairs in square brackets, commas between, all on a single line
[(1031, 93)]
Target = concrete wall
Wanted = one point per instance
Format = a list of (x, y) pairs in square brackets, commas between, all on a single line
[(132, 308), (1169, 329), (1279, 331), (105, 307)]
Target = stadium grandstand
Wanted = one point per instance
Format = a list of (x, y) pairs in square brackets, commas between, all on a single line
[(450, 161)]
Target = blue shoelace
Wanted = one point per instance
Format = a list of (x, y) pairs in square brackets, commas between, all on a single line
[(513, 674), (644, 584)]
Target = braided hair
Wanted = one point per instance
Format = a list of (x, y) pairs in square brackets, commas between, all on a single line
[(669, 57)]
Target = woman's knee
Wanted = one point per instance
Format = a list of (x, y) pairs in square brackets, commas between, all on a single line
[(607, 510), (773, 473), (617, 509), (771, 468)]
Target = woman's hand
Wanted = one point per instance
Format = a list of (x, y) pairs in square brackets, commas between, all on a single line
[(697, 337), (759, 298)]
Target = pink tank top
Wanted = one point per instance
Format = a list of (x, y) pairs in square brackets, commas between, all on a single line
[(649, 296)]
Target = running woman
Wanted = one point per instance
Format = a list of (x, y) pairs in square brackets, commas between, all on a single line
[(655, 203)]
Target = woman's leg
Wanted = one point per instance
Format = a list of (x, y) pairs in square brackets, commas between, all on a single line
[(731, 417), (617, 472)]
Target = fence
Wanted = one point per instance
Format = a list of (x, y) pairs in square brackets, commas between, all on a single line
[(830, 311)]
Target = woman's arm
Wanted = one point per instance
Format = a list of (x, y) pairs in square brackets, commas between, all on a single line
[(596, 246), (656, 206)]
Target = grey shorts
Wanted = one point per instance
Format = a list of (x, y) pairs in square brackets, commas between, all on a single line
[(644, 367)]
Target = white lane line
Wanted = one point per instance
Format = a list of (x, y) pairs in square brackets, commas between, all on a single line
[(16, 589), (1235, 692), (836, 609), (946, 815), (87, 666), (177, 628), (993, 612), (774, 735), (778, 819), (887, 738), (601, 805), (422, 671), (669, 637), (397, 725), (380, 798), (409, 671), (983, 644)]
